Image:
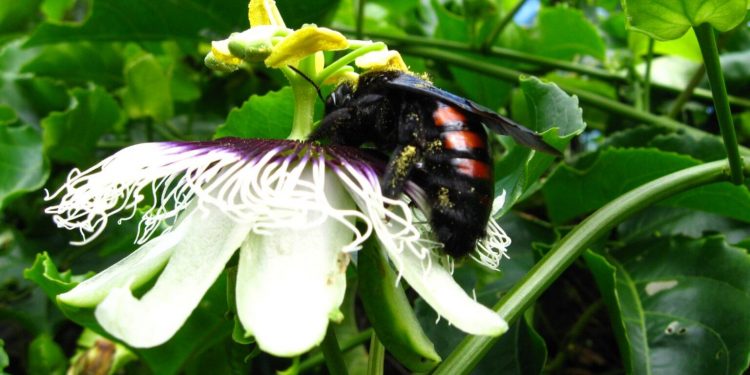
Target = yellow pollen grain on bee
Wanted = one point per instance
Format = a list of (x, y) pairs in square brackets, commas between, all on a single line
[(443, 198), (435, 146), (404, 162)]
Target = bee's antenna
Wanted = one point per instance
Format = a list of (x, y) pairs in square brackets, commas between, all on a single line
[(317, 89)]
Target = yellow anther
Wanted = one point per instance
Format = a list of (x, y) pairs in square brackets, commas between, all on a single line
[(304, 42)]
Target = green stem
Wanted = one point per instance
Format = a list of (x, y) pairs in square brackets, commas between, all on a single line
[(543, 62), (304, 98), (501, 25), (611, 106), (347, 59), (375, 364), (647, 76), (350, 343), (685, 95), (471, 350), (707, 42), (360, 18), (695, 80), (410, 41), (332, 353)]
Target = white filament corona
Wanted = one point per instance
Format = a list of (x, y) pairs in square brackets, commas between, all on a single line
[(262, 188)]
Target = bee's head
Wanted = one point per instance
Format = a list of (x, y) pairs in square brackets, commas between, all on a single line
[(340, 97)]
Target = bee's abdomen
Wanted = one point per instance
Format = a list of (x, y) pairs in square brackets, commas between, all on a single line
[(463, 142), (460, 187)]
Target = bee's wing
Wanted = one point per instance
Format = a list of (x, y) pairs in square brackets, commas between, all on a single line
[(496, 122)]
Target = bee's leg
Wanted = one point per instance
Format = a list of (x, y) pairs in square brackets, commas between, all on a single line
[(402, 163), (408, 153), (335, 126)]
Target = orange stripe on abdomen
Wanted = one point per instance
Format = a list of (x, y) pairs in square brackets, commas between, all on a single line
[(472, 168), (447, 115), (462, 140)]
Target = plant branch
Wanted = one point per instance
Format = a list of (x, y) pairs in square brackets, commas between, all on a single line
[(348, 344), (360, 22), (377, 356), (501, 25), (404, 42), (685, 95), (710, 52), (692, 87), (471, 350), (332, 353), (647, 76)]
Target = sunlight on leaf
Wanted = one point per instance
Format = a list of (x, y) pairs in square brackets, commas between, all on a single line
[(670, 19)]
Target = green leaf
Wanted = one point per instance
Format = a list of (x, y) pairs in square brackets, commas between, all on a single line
[(722, 198), (593, 117), (207, 325), (147, 92), (143, 20), (16, 15), (678, 305), (267, 116), (489, 91), (571, 192), (706, 148), (79, 63), (207, 328), (4, 360), (547, 109), (7, 115), (46, 357), (183, 83), (55, 9), (298, 13), (636, 136), (32, 98), (550, 108), (670, 19), (71, 136), (672, 221), (44, 273), (23, 167), (24, 306), (564, 33)]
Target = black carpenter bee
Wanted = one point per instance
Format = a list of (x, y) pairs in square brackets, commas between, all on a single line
[(432, 136)]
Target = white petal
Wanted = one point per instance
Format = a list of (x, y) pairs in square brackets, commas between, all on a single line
[(133, 270), (398, 233), (437, 287), (210, 238), (291, 281)]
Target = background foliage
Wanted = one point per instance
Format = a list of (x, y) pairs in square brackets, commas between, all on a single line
[(667, 291)]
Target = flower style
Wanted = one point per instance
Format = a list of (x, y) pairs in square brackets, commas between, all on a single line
[(289, 206)]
